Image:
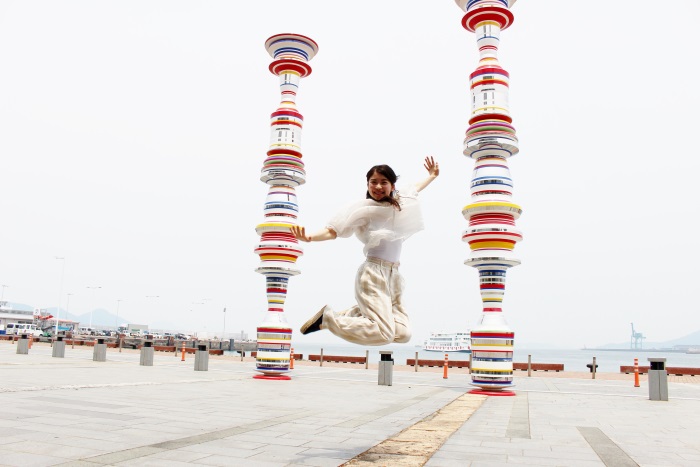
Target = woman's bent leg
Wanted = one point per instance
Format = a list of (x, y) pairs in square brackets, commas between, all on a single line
[(402, 324), (371, 321)]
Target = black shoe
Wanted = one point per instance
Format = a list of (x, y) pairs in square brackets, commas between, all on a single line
[(314, 323)]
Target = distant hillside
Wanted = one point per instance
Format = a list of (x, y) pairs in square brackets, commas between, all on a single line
[(690, 339)]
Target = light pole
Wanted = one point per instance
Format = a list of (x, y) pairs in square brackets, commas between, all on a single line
[(223, 334), (117, 319), (60, 293), (68, 295), (2, 294), (94, 289)]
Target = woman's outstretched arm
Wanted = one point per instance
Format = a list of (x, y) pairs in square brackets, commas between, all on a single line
[(324, 234), (433, 171)]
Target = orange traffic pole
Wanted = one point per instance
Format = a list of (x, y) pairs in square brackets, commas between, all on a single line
[(183, 351), (636, 373), (31, 340), (444, 369), (291, 359)]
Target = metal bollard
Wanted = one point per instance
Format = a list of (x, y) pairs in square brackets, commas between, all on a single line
[(592, 367), (99, 354), (23, 345), (147, 354), (658, 379), (201, 358), (59, 348), (386, 368), (529, 366)]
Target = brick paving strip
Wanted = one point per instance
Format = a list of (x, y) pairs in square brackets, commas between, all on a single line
[(415, 445)]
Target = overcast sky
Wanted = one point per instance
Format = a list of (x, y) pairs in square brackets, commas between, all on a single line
[(132, 134)]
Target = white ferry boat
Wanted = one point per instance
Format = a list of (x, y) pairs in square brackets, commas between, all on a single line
[(448, 342)]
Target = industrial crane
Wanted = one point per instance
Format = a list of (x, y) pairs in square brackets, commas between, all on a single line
[(637, 339)]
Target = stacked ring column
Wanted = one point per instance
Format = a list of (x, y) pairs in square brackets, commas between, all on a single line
[(283, 171), (490, 140)]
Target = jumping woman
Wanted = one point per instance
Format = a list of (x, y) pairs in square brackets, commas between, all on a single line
[(382, 222)]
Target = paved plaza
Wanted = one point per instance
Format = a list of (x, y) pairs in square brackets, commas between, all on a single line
[(74, 411)]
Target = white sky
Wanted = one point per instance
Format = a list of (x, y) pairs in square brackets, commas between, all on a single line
[(132, 134)]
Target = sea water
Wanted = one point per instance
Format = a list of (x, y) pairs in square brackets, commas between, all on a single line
[(573, 359)]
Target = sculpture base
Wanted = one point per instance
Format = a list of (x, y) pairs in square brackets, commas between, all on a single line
[(486, 392), (273, 377)]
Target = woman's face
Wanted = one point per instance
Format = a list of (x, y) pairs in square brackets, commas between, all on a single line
[(379, 186)]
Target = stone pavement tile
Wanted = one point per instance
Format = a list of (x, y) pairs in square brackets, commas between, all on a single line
[(244, 441), (294, 427), (543, 461), (460, 448), (337, 452), (368, 433), (436, 462), (570, 455), (309, 437), (265, 436), (180, 455), (52, 449), (652, 454), (107, 446), (465, 440), (472, 456), (23, 459), (331, 444), (163, 429), (214, 449), (152, 462), (316, 461), (223, 461)]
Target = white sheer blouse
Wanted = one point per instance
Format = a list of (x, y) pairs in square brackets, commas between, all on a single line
[(372, 221)]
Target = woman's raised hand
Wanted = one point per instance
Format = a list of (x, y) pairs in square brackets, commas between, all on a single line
[(431, 166), (300, 233)]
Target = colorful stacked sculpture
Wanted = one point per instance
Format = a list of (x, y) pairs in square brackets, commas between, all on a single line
[(490, 141), (283, 170)]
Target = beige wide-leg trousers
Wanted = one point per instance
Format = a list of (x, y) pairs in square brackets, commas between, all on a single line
[(379, 317)]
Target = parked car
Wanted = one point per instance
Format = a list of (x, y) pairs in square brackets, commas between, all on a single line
[(22, 328)]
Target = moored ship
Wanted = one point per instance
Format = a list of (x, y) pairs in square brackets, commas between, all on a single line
[(448, 342)]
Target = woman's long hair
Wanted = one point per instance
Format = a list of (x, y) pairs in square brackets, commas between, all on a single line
[(389, 173)]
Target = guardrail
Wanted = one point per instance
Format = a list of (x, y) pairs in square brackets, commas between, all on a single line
[(338, 359), (671, 370)]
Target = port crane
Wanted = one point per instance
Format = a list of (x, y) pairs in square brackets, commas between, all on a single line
[(637, 339)]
